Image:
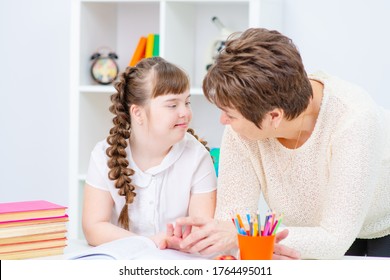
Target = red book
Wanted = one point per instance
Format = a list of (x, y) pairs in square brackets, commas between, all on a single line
[(24, 210)]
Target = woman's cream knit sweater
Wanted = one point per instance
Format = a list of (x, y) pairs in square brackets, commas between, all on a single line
[(331, 190)]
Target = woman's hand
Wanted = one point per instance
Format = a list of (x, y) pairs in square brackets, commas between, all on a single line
[(282, 252), (211, 236)]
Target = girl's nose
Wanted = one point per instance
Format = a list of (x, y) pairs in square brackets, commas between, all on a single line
[(185, 112)]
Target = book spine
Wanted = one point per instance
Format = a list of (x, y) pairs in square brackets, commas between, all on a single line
[(149, 45), (156, 45), (139, 52)]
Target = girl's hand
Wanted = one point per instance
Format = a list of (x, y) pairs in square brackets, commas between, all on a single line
[(173, 237)]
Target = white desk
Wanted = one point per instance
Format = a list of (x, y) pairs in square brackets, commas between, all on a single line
[(75, 246)]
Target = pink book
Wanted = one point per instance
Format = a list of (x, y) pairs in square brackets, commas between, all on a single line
[(24, 210)]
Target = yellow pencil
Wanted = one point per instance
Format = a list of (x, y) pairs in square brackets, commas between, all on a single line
[(240, 221)]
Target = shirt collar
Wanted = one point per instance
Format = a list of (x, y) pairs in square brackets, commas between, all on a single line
[(143, 179)]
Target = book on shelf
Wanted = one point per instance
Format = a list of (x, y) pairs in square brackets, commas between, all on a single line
[(132, 248), (33, 237), (41, 244), (24, 210), (36, 221), (35, 253), (156, 45), (149, 45), (139, 52)]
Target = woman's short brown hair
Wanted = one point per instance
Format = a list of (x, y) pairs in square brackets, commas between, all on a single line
[(257, 71)]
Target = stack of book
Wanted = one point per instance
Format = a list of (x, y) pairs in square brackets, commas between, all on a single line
[(147, 47), (30, 229)]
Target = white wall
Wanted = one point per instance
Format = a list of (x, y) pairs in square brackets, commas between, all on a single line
[(34, 51), (349, 38)]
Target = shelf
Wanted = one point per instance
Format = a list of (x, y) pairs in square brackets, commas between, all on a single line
[(110, 89), (97, 89), (116, 25)]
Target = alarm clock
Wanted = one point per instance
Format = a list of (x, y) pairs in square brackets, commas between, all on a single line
[(104, 69)]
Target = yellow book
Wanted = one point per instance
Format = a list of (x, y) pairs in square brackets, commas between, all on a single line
[(32, 229), (26, 254), (33, 237), (18, 223), (149, 45), (23, 246)]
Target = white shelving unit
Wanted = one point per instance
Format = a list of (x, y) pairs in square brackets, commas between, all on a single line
[(186, 34)]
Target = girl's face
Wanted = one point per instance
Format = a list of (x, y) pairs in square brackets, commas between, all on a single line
[(169, 116), (242, 126)]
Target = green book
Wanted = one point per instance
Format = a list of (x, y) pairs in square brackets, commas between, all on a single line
[(156, 45)]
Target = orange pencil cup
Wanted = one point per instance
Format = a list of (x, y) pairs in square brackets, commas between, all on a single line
[(256, 247)]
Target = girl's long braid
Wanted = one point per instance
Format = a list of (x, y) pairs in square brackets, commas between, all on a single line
[(119, 134), (192, 132), (201, 140)]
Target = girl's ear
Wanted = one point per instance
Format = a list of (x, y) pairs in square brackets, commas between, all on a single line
[(136, 114), (275, 117)]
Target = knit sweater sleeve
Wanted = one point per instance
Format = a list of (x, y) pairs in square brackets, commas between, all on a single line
[(353, 155), (238, 187)]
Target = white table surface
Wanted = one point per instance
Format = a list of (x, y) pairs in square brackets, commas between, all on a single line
[(75, 246)]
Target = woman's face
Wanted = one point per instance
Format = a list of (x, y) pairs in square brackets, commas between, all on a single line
[(242, 126)]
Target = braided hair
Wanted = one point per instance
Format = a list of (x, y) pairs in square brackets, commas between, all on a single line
[(150, 78)]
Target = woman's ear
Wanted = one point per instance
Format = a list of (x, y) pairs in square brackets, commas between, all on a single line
[(275, 117), (136, 114)]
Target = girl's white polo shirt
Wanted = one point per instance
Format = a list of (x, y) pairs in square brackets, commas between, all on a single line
[(162, 192)]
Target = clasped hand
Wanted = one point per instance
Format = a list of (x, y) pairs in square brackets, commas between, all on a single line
[(208, 236)]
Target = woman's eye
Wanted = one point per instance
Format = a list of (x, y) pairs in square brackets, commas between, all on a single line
[(172, 106), (188, 103)]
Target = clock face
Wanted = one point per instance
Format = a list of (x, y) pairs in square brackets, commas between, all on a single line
[(104, 70)]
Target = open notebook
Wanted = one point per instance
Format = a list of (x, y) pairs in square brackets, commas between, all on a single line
[(133, 248)]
